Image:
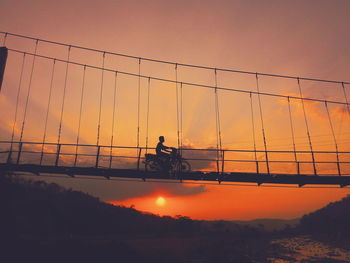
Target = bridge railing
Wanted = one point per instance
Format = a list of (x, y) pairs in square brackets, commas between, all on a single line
[(205, 160)]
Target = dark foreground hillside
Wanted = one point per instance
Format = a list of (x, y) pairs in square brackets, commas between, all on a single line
[(43, 222), (331, 222)]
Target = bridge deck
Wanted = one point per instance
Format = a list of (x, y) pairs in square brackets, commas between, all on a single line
[(299, 180)]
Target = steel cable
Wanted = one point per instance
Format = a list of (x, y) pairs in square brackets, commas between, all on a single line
[(47, 110), (307, 129)]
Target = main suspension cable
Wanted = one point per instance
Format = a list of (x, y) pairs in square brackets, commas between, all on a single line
[(184, 83), (334, 138), (64, 96), (28, 93), (262, 125), (47, 110), (307, 128), (169, 62)]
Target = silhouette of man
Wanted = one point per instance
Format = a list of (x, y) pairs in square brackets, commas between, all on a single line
[(162, 150)]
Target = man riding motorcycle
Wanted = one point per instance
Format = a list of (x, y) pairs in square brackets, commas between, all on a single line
[(163, 152), (167, 159)]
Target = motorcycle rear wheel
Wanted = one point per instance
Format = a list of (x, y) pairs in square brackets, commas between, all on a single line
[(152, 166)]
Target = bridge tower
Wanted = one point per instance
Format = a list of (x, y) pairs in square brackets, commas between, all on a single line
[(3, 58)]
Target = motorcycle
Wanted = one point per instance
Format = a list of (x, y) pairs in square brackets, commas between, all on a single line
[(174, 164)]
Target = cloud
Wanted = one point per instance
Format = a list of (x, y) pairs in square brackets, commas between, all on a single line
[(200, 159), (341, 110), (314, 109)]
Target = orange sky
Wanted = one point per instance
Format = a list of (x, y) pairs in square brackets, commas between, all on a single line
[(237, 202), (289, 37)]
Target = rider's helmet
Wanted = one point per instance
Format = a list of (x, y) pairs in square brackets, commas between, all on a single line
[(161, 138)]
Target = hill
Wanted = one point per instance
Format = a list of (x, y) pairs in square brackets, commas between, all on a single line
[(331, 222), (45, 222)]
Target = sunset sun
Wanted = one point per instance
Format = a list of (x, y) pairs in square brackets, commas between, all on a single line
[(160, 201)]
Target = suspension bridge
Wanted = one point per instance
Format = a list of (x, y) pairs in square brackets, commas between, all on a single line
[(73, 110)]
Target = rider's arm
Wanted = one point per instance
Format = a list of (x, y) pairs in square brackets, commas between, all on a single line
[(167, 149)]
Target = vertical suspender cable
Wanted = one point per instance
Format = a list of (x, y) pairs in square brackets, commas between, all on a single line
[(80, 114), (64, 97), (253, 129), (307, 128), (177, 109), (346, 97), (181, 118), (113, 118), (334, 138), (17, 102), (262, 124), (17, 98), (4, 40), (217, 124), (138, 106), (47, 110), (28, 93), (148, 104), (101, 94), (138, 149), (218, 111), (293, 136)]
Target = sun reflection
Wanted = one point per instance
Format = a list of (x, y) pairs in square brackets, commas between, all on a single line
[(160, 201)]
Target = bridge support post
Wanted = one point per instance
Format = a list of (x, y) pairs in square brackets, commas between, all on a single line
[(75, 159), (9, 157), (257, 167), (58, 154), (223, 162), (338, 166), (19, 152), (3, 59), (138, 159), (42, 154), (110, 158), (298, 168), (97, 156)]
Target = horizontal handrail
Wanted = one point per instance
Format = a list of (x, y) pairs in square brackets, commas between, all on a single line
[(183, 149), (190, 159), (100, 157)]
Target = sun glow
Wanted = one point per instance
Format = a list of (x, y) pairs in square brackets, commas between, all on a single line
[(160, 201)]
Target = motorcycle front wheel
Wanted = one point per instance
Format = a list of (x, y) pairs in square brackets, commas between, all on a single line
[(183, 166)]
